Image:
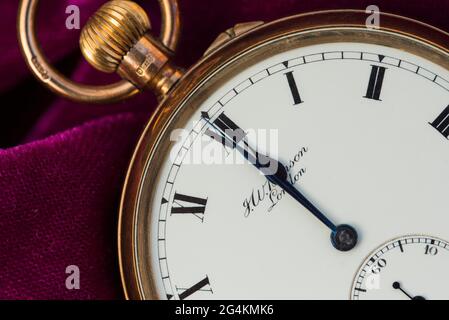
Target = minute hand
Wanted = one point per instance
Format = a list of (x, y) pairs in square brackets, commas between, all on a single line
[(343, 237)]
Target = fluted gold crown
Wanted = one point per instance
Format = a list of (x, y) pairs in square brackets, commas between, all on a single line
[(111, 32)]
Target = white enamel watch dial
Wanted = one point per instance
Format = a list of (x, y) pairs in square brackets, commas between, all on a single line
[(363, 132), (410, 267)]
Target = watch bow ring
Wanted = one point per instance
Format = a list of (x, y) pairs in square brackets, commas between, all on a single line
[(58, 83)]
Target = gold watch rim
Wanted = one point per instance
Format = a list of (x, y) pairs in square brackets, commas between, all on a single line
[(322, 22)]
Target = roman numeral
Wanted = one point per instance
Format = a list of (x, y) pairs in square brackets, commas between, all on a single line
[(183, 204), (200, 286), (441, 123), (226, 131), (376, 80), (293, 88)]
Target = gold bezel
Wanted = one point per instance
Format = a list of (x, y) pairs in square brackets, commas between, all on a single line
[(269, 39)]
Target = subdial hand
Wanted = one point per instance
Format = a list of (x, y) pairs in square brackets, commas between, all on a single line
[(343, 237), (397, 286)]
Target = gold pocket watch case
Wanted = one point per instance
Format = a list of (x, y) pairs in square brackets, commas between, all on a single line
[(117, 39)]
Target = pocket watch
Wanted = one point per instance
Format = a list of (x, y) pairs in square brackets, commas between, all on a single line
[(305, 158)]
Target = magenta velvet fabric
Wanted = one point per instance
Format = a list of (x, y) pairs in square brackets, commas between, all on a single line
[(60, 185)]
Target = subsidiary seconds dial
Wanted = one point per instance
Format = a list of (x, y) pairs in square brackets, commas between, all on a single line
[(410, 267)]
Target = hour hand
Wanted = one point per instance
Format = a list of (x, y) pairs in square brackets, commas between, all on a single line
[(343, 237)]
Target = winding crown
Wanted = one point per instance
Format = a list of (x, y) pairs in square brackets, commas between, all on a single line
[(111, 32)]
